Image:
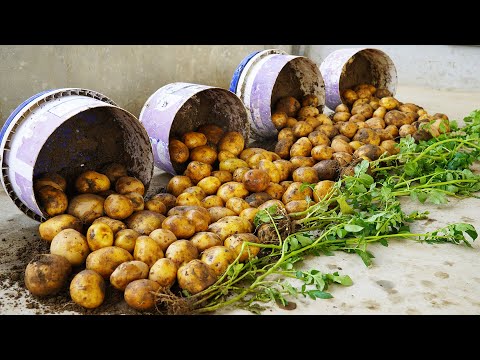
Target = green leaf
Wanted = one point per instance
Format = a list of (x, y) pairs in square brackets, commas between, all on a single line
[(467, 228), (437, 197), (303, 240), (344, 207), (411, 168), (365, 257), (317, 294), (353, 228), (384, 242), (341, 233)]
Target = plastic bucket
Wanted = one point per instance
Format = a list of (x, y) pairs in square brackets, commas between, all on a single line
[(179, 107), (263, 77), (68, 131), (345, 68)]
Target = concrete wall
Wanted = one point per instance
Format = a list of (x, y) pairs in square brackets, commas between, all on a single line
[(126, 74), (434, 66)]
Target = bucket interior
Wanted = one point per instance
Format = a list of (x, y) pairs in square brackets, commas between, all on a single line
[(368, 66), (299, 77), (92, 139), (210, 106)]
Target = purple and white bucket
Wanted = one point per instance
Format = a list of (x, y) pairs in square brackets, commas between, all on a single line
[(263, 77), (68, 131), (180, 107), (346, 68)]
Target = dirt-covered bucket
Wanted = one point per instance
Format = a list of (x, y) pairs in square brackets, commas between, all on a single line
[(68, 131), (179, 107), (346, 68)]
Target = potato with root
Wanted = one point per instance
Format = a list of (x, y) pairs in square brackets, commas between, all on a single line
[(126, 239), (195, 276), (140, 294), (47, 274), (147, 250), (105, 260), (127, 272), (144, 221), (115, 225), (72, 245), (179, 152), (181, 251), (218, 258), (53, 200), (245, 252), (51, 227), (164, 272), (87, 289), (91, 182)]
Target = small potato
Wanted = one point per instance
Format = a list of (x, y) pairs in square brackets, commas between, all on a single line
[(313, 122), (245, 252), (296, 191), (197, 170), (205, 240), (367, 136), (370, 151), (114, 171), (357, 118), (270, 203), (91, 182), (318, 138), (126, 239), (298, 161), (156, 205), (360, 102), (302, 128), (181, 252), (147, 250), (195, 276), (127, 184), (275, 190), (381, 93), (137, 200), (230, 225), (389, 103), (209, 185), (390, 146), (204, 154), (301, 147), (118, 206), (327, 169), (105, 260), (355, 145), (180, 226), (232, 189), (305, 174), (218, 258), (296, 206), (164, 272), (232, 141), (237, 205), (407, 130), (72, 245), (219, 212), (286, 134), (257, 199), (51, 227), (307, 111), (310, 100), (375, 123), (282, 148), (99, 235), (163, 238), (178, 151), (47, 274), (343, 158), (270, 169), (349, 96), (193, 139), (329, 130), (140, 294), (127, 272), (380, 112), (279, 119), (397, 118), (200, 219), (342, 108), (87, 289), (348, 129), (213, 132), (211, 201), (256, 180), (224, 155), (223, 176), (144, 221), (366, 110), (249, 214), (392, 130), (339, 145), (284, 167), (322, 189), (341, 116), (53, 200), (186, 199)]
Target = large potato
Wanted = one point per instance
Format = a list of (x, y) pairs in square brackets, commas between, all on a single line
[(397, 118), (127, 272), (366, 110), (51, 227), (235, 242), (230, 225), (91, 182), (178, 151), (218, 212), (197, 170), (70, 244), (168, 199), (181, 226), (115, 225), (127, 184), (118, 206), (114, 171), (181, 251), (147, 250), (218, 258), (296, 191), (140, 294), (213, 132), (195, 276), (145, 221), (99, 235), (164, 272), (178, 183), (137, 200), (126, 239), (211, 201), (86, 207), (204, 154), (233, 142), (163, 238), (87, 289), (47, 274), (232, 189), (209, 185), (105, 260), (53, 200), (204, 240)]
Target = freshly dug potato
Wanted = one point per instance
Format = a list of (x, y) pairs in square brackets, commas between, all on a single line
[(318, 138), (126, 239), (232, 189), (298, 161), (245, 252), (381, 93), (180, 226), (295, 206), (246, 153), (421, 112), (375, 123), (114, 171), (239, 173), (178, 151), (197, 191), (339, 145), (288, 105), (164, 272), (360, 102), (51, 227), (374, 103), (366, 110), (257, 199), (147, 250), (118, 206), (137, 200), (270, 169), (284, 167), (223, 175), (200, 219), (305, 174), (181, 252), (322, 152), (440, 116), (256, 180), (127, 184), (163, 238), (397, 118), (301, 129), (390, 146), (213, 132), (341, 116), (286, 134), (301, 147), (355, 145), (327, 169), (285, 184), (224, 155), (232, 141), (182, 210), (219, 212), (294, 192), (218, 258), (409, 107), (211, 201), (349, 96), (70, 244), (342, 108), (313, 122), (279, 119), (40, 183), (231, 165), (275, 190), (140, 294), (91, 182), (115, 225), (406, 130), (145, 221), (195, 276), (341, 137), (230, 225), (322, 189), (270, 203), (54, 178), (249, 214), (237, 205), (253, 160), (186, 199), (53, 200), (105, 260), (370, 151), (156, 205), (389, 103), (209, 185), (47, 274), (363, 93), (329, 130), (380, 112), (282, 148), (127, 272), (204, 153), (193, 139), (197, 170), (343, 158), (367, 136), (99, 235), (392, 130), (310, 100), (168, 199), (87, 289), (204, 240), (348, 129)]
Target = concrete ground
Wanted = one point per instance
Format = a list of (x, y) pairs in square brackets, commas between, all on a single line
[(406, 278)]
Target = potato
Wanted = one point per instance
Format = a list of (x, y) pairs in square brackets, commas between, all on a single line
[(99, 235), (284, 167), (40, 183), (271, 203), (366, 110), (270, 169), (200, 219), (105, 260), (407, 130), (295, 206), (114, 225), (341, 116), (222, 175), (213, 132), (197, 170), (140, 294), (298, 161), (364, 94), (55, 178), (294, 192), (375, 104), (249, 214), (376, 123), (327, 169), (360, 102), (348, 129), (341, 137), (310, 100), (51, 227), (163, 238), (180, 226), (286, 184), (343, 158), (218, 258), (87, 289), (230, 225), (231, 165), (381, 93), (246, 153), (114, 171), (181, 251), (177, 184), (305, 174), (389, 103), (196, 191), (168, 199), (127, 184), (147, 250), (252, 161), (390, 146), (286, 134), (182, 210), (370, 151), (91, 182), (342, 108), (279, 119), (126, 239), (118, 206), (313, 122), (361, 125), (256, 180), (237, 205), (185, 199), (204, 153), (355, 145), (53, 200), (195, 276), (179, 152), (367, 136), (70, 244), (322, 152), (425, 118), (224, 155), (318, 138), (127, 272), (164, 272), (232, 189), (245, 252), (322, 189), (218, 212), (357, 118), (239, 173), (339, 145), (211, 201), (302, 147), (275, 190), (145, 221), (156, 205), (282, 148), (232, 141), (329, 130), (349, 96), (193, 139), (289, 105), (257, 199), (301, 129), (291, 122), (204, 240), (421, 112), (47, 274)]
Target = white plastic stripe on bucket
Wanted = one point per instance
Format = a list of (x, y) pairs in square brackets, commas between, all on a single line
[(179, 107), (263, 78), (345, 68), (68, 131)]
